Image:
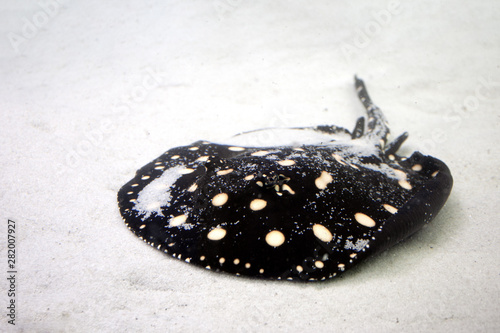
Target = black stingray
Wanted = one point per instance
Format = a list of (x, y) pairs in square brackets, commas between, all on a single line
[(296, 212)]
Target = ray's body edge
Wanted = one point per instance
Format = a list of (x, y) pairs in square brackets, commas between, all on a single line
[(419, 209), (422, 207)]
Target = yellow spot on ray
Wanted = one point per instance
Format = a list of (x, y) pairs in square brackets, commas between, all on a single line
[(202, 159), (236, 148), (219, 199), (405, 184), (260, 153), (258, 204), (224, 172), (275, 238), (364, 219), (286, 162), (186, 171), (390, 209), (322, 233), (216, 234), (323, 180), (319, 264), (178, 220), (416, 167), (288, 188)]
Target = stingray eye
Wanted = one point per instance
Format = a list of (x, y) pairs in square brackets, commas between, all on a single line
[(284, 211)]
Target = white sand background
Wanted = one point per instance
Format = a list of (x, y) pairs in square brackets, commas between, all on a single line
[(90, 91)]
